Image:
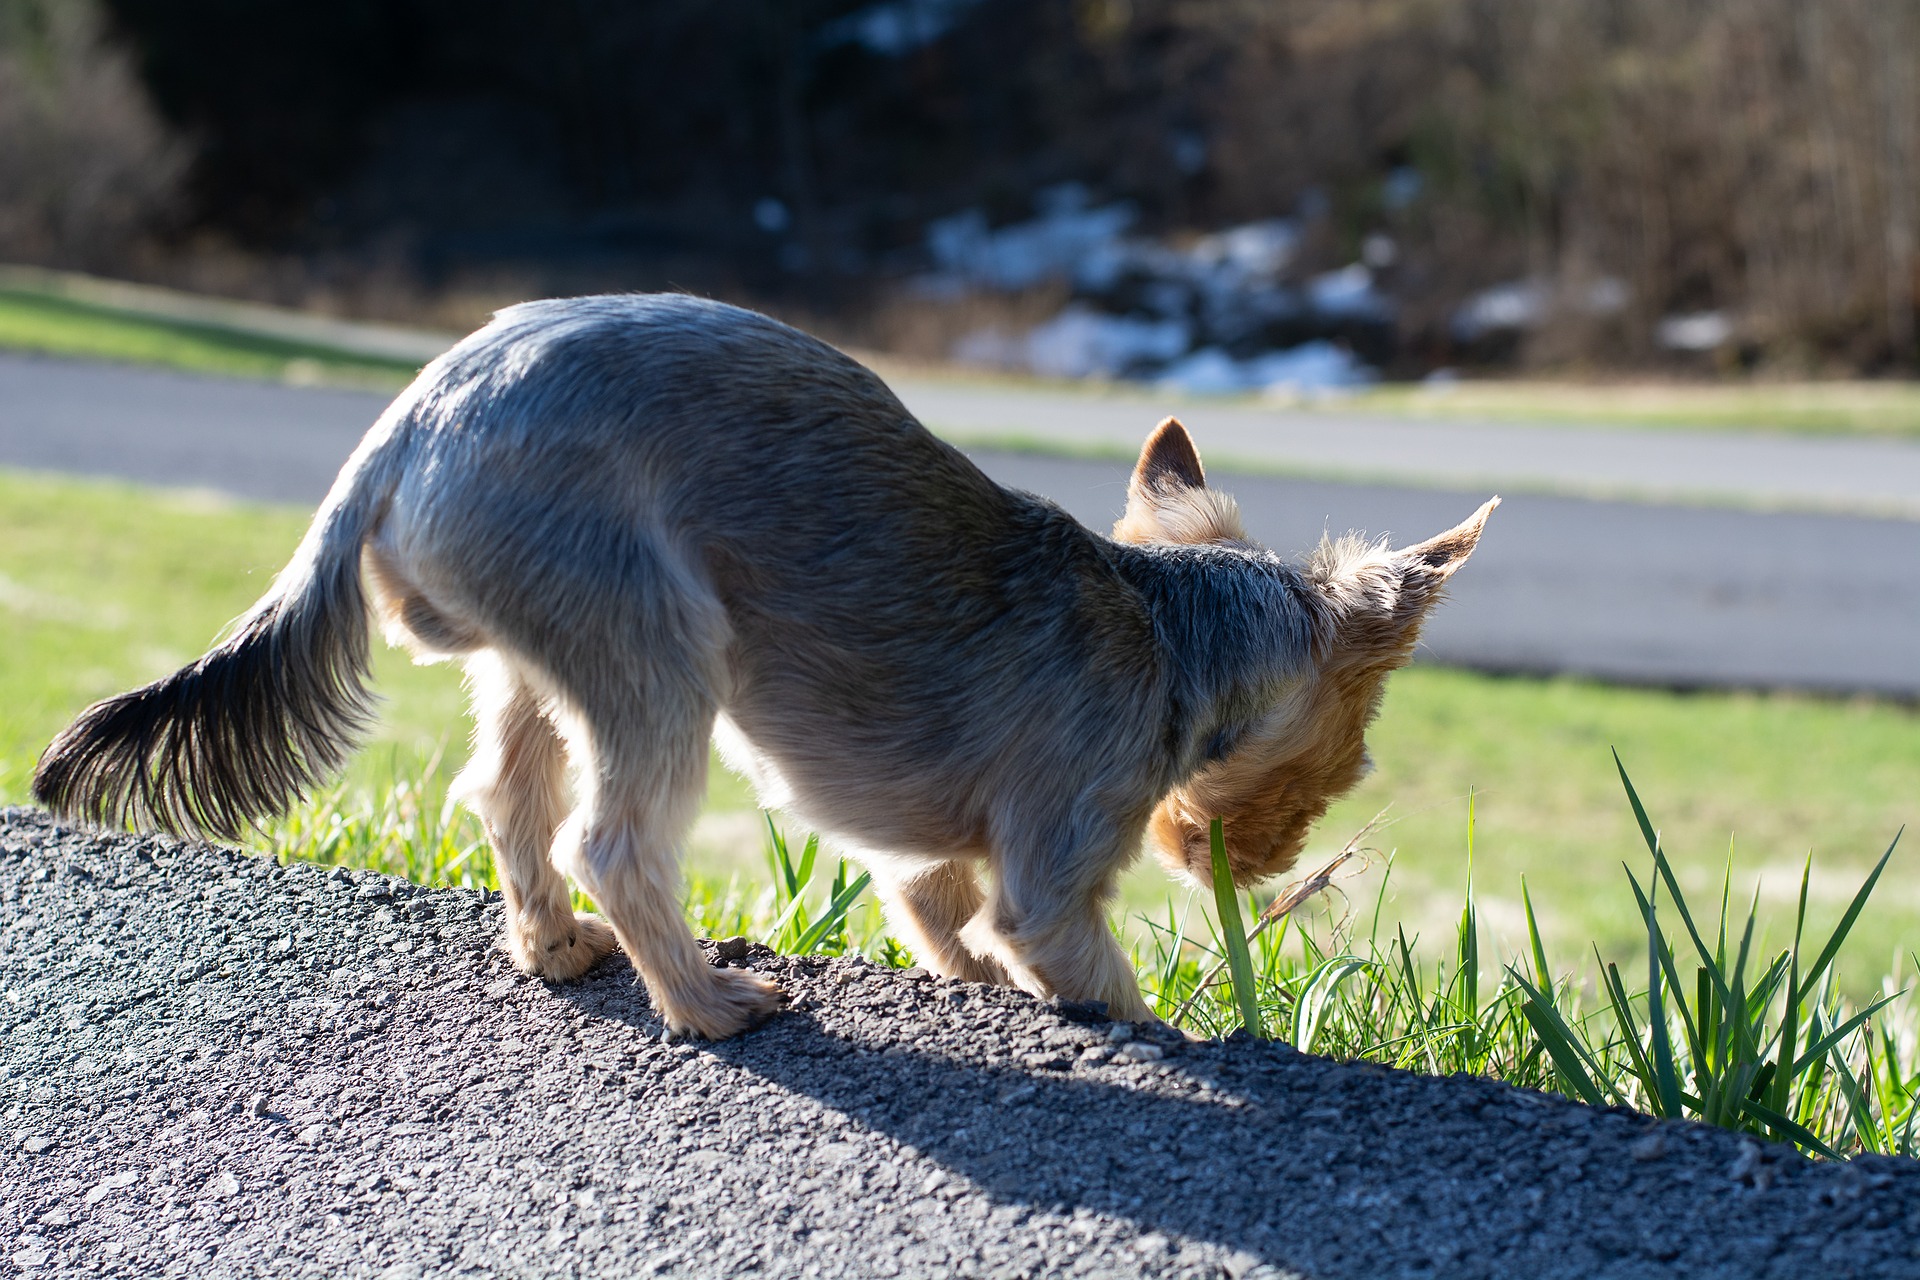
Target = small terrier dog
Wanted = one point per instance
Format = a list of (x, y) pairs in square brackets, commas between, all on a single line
[(644, 522)]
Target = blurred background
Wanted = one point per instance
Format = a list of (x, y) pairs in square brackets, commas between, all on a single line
[(1713, 185), (1646, 268)]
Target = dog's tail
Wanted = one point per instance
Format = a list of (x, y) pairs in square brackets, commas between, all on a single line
[(272, 709)]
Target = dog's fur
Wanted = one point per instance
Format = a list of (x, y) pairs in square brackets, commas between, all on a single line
[(639, 519)]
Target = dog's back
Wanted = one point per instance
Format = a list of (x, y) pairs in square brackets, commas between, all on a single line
[(898, 628)]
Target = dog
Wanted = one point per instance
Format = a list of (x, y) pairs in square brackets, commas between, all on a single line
[(645, 522)]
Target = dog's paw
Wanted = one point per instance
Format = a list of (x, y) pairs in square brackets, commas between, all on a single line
[(560, 949), (733, 1001)]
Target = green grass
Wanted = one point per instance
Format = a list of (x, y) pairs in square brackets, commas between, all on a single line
[(68, 327), (1803, 408), (1722, 1030), (1760, 1044), (1841, 407)]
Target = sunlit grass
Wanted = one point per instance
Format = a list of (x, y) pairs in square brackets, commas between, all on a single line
[(1721, 1029), (50, 325)]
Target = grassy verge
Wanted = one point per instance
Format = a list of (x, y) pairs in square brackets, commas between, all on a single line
[(68, 327), (1884, 408), (1720, 1030), (1888, 408)]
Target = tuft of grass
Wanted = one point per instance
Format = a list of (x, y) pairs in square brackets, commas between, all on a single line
[(408, 824), (1765, 1046), (50, 325), (795, 930)]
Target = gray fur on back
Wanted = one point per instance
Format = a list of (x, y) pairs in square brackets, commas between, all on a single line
[(920, 653)]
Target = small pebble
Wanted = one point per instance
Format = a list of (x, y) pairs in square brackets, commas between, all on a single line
[(35, 1145), (1651, 1147), (258, 1107)]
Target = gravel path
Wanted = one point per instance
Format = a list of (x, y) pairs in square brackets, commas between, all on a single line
[(217, 1066)]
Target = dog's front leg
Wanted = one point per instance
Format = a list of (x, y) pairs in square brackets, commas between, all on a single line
[(928, 904), (1045, 921)]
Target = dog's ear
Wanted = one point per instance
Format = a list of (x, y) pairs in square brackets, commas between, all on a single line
[(1426, 565), (1168, 499), (1168, 460), (1440, 556)]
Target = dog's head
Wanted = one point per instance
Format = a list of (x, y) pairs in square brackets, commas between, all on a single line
[(1309, 748)]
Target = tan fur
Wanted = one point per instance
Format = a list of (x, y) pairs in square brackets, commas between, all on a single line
[(1311, 749), (1167, 498), (929, 907)]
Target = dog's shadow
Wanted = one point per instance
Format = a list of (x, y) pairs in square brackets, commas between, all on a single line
[(1321, 1168)]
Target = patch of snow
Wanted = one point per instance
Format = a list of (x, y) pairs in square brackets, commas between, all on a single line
[(1518, 305), (1312, 368), (1317, 367), (1049, 247), (1080, 343), (896, 27), (1257, 249), (1206, 372), (1348, 294), (1695, 331), (1514, 305)]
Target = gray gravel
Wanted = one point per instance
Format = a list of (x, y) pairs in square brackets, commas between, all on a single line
[(214, 1065)]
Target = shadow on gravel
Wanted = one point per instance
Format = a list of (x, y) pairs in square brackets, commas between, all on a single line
[(212, 1065), (1319, 1168)]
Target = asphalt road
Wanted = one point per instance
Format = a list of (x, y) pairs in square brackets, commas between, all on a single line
[(1666, 594), (1846, 475), (215, 1066)]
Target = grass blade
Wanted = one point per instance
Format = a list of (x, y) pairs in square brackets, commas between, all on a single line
[(835, 913), (1852, 913), (1233, 935)]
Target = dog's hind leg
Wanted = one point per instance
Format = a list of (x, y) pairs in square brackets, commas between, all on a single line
[(929, 905), (517, 783), (638, 682)]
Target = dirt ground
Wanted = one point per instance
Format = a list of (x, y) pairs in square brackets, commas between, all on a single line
[(217, 1066)]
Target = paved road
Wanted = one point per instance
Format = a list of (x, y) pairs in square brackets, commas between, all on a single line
[(213, 1066), (1848, 476), (1661, 594)]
